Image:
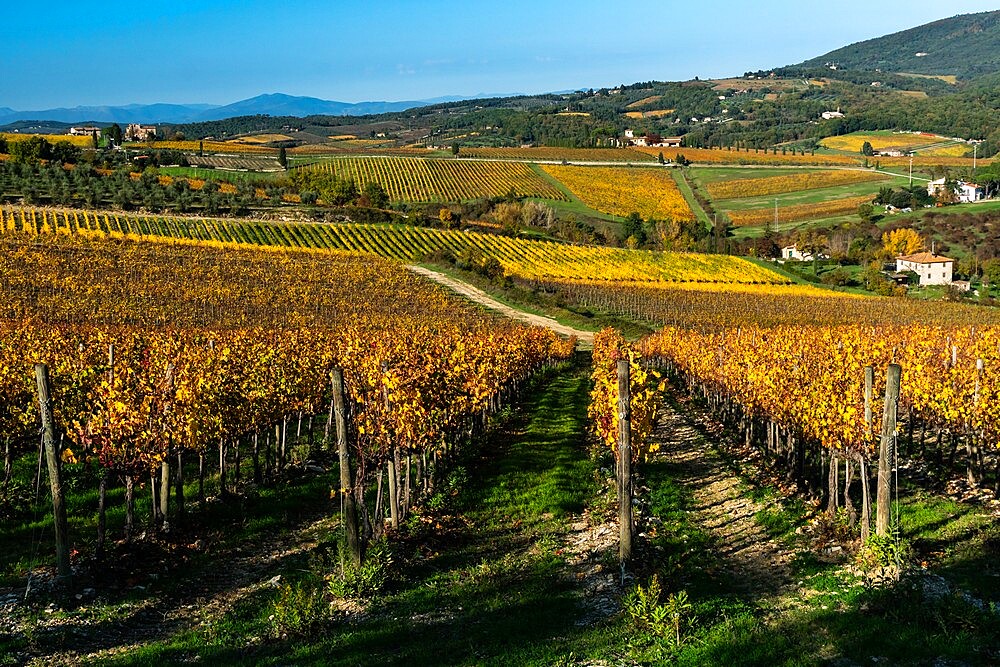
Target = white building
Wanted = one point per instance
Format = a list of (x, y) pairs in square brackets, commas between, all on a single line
[(792, 252), (830, 115), (932, 269), (85, 131), (964, 192)]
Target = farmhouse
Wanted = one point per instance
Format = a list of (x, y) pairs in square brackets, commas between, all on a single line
[(964, 192), (85, 131), (792, 252), (136, 132), (830, 115), (667, 142), (932, 269)]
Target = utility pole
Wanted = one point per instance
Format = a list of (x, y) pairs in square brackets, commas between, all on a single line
[(775, 216), (911, 170), (975, 149)]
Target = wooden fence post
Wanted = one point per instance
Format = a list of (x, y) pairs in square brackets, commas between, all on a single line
[(971, 438), (624, 461), (866, 500), (55, 478), (888, 433), (346, 486)]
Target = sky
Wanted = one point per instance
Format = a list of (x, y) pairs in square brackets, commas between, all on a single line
[(222, 51)]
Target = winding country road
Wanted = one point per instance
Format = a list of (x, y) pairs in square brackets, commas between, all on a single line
[(482, 298)]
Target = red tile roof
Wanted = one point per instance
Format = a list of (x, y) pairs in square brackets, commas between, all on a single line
[(925, 258)]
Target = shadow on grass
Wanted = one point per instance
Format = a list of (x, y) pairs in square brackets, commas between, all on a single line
[(480, 581)]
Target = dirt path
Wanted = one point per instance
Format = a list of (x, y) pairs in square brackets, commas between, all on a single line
[(482, 298), (757, 562)]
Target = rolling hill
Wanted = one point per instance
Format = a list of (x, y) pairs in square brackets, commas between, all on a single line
[(965, 46)]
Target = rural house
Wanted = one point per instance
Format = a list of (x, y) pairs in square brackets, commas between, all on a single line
[(85, 131), (964, 192), (136, 132), (792, 252), (932, 269)]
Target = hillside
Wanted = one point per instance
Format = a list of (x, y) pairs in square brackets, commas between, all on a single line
[(966, 46)]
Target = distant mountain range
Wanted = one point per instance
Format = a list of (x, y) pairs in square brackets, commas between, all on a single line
[(275, 104), (965, 46)]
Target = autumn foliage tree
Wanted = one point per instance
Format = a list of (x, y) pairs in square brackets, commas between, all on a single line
[(903, 241)]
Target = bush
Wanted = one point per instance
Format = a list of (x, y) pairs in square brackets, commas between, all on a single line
[(299, 610), (663, 620), (838, 278), (366, 580), (881, 551)]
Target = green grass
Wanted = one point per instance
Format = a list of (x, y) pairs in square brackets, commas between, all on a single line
[(685, 189)]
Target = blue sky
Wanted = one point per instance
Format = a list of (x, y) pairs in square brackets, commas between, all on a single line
[(217, 51)]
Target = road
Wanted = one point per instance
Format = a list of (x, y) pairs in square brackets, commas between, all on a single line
[(477, 295)]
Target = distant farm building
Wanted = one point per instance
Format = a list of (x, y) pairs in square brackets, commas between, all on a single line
[(964, 192), (792, 252), (86, 131), (136, 132), (646, 140), (932, 269), (830, 115)]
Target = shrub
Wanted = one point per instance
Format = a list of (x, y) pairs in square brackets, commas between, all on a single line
[(366, 580), (663, 620), (299, 609)]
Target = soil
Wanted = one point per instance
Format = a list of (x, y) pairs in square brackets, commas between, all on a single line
[(754, 560)]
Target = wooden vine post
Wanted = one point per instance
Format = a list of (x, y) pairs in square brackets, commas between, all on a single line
[(624, 461), (350, 512), (972, 443), (55, 477), (888, 433), (866, 500)]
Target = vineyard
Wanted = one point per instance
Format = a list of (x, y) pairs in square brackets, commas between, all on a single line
[(531, 260), (78, 141), (223, 147), (809, 180), (751, 156), (653, 194), (147, 381), (920, 143), (827, 209), (770, 157), (730, 306), (804, 396), (234, 163), (552, 154), (423, 180), (799, 377)]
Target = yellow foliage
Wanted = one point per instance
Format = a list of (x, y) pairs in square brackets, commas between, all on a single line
[(764, 216), (807, 180), (902, 241), (652, 193)]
